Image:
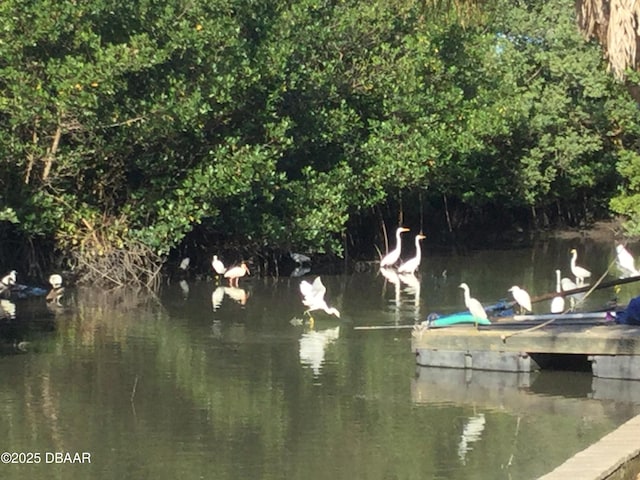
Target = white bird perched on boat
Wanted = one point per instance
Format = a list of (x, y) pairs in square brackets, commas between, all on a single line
[(521, 296), (218, 266), (557, 303), (473, 305), (313, 297), (411, 265), (579, 272), (57, 290), (234, 274), (394, 255), (626, 260)]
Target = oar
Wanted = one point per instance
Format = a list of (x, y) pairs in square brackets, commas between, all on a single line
[(586, 288)]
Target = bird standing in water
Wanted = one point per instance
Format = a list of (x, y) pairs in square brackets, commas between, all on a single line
[(412, 264), (7, 282), (57, 290), (234, 274), (218, 266), (394, 255)]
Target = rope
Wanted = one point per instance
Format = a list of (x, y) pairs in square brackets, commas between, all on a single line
[(504, 338)]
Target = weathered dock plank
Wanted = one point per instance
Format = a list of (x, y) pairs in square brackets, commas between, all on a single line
[(604, 458)]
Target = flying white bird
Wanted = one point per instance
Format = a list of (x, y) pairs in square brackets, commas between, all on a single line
[(579, 272), (313, 297), (412, 264), (394, 255), (473, 305), (521, 296)]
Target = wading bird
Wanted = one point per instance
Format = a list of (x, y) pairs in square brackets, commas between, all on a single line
[(218, 266), (578, 272), (8, 281), (557, 303), (299, 258), (234, 274), (57, 290), (412, 264), (392, 257), (313, 298), (473, 305), (522, 298), (184, 264), (626, 261)]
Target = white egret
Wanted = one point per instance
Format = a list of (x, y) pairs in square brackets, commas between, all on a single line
[(313, 297), (184, 264), (57, 290), (218, 266), (8, 281), (474, 306), (299, 258), (626, 261), (522, 298), (557, 303), (234, 274), (579, 272), (411, 265), (567, 284), (394, 255)]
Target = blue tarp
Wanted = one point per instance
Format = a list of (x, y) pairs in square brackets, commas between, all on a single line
[(630, 315)]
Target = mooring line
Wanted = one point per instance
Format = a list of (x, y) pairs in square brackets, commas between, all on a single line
[(504, 338)]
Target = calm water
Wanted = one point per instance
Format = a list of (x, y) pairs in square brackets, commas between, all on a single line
[(212, 383)]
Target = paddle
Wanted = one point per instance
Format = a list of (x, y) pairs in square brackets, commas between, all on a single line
[(586, 288)]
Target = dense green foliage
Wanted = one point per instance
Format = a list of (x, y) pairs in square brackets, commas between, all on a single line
[(124, 126)]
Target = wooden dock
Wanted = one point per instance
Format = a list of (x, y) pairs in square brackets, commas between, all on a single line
[(613, 351), (614, 457)]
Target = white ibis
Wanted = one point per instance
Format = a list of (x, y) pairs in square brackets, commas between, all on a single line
[(235, 273)]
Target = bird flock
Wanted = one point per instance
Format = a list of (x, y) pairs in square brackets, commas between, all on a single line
[(624, 260)]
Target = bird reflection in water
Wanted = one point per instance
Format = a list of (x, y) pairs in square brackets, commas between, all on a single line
[(239, 295), (184, 288), (7, 309), (313, 345), (412, 288), (471, 432)]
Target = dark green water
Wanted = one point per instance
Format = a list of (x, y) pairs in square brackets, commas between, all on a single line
[(174, 388)]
